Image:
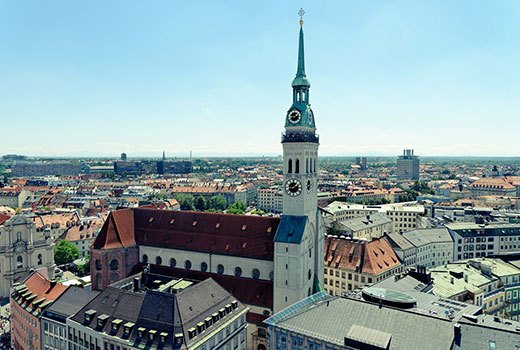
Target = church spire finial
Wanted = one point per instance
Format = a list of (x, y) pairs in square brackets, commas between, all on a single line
[(301, 78)]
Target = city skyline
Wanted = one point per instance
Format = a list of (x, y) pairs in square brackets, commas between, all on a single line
[(215, 80)]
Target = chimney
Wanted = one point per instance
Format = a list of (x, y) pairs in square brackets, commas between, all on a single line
[(53, 283), (137, 284)]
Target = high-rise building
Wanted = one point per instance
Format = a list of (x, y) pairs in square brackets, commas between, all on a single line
[(299, 240), (408, 166)]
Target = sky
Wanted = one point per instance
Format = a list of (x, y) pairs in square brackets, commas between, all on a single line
[(96, 78)]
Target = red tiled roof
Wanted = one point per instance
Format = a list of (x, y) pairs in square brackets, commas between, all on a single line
[(117, 231), (239, 235), (255, 318), (372, 257), (4, 218), (42, 287), (207, 232), (246, 290)]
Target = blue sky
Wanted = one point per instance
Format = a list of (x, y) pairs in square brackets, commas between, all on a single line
[(100, 77)]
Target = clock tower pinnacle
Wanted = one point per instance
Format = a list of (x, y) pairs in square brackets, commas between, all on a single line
[(299, 240)]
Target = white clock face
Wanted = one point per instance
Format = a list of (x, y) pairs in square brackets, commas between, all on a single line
[(293, 187), (295, 116)]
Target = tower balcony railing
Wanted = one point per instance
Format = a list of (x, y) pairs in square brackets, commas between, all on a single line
[(300, 137)]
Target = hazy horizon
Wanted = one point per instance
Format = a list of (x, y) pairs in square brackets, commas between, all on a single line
[(102, 77)]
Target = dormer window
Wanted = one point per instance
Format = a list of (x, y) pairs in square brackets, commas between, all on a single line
[(222, 312), (207, 322), (192, 332), (115, 324), (179, 338), (234, 304), (140, 332), (214, 317), (163, 337), (101, 320), (151, 334), (200, 327), (89, 315), (228, 308), (128, 328)]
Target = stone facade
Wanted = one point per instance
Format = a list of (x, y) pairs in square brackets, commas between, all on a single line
[(22, 248)]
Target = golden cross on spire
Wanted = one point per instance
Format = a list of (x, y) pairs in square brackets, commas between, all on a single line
[(301, 13)]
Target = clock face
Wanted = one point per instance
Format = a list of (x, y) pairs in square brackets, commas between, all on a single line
[(293, 187), (295, 116), (308, 185)]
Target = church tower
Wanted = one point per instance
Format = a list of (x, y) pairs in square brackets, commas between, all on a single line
[(299, 241)]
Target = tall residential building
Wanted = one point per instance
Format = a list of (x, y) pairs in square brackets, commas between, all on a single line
[(408, 166), (299, 241)]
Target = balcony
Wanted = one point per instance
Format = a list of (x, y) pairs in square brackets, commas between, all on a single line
[(300, 137)]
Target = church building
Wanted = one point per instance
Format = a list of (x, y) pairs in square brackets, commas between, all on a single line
[(266, 263)]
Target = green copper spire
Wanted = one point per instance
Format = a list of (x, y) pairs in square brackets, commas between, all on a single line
[(301, 78)]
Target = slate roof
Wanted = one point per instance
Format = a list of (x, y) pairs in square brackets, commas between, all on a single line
[(291, 229), (332, 318), (420, 237), (239, 235), (71, 301), (398, 241), (480, 332), (154, 310), (246, 290)]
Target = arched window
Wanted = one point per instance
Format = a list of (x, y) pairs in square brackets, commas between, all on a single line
[(238, 271), (298, 96), (40, 261), (290, 166), (297, 170), (187, 264), (303, 96), (158, 260), (310, 168), (309, 275), (315, 160), (114, 277), (19, 262), (173, 262), (145, 258), (220, 269), (99, 266), (99, 281), (306, 165), (203, 267), (114, 265), (256, 274)]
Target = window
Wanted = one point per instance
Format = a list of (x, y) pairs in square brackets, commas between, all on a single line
[(145, 258), (220, 269), (173, 262), (309, 275), (203, 267), (187, 264), (19, 262), (99, 266), (114, 277), (158, 260), (256, 274), (40, 259), (114, 264), (297, 171), (238, 271), (290, 166)]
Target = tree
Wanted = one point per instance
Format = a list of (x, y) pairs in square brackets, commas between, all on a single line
[(85, 267), (185, 200), (65, 252), (237, 208), (200, 203), (217, 203)]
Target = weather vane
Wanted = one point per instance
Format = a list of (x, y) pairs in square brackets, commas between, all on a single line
[(301, 13)]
